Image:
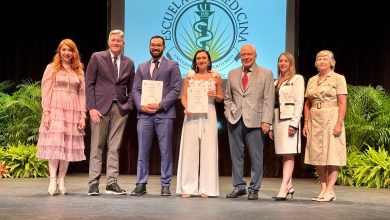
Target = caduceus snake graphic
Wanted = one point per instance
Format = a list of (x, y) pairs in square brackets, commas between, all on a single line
[(201, 26)]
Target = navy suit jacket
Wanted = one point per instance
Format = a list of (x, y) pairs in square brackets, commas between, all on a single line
[(101, 86), (168, 72)]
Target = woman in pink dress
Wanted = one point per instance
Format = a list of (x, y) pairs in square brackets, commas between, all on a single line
[(63, 120)]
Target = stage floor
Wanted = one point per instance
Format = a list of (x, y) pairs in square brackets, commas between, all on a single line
[(28, 199)]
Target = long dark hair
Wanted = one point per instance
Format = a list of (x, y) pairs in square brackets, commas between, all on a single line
[(195, 67)]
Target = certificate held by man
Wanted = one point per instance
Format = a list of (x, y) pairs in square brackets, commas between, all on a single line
[(151, 92), (198, 100)]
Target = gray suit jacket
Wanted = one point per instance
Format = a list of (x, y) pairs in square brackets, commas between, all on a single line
[(256, 104)]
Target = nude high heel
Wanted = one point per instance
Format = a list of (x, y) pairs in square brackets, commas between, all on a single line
[(52, 190), (315, 198), (327, 198), (61, 185)]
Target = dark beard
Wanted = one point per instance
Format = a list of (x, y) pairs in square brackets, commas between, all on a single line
[(156, 56)]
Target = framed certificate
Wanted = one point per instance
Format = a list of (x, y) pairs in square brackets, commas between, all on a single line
[(151, 92), (197, 98)]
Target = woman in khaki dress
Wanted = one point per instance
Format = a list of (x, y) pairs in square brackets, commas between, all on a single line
[(324, 111)]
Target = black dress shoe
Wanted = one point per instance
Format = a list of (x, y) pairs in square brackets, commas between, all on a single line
[(140, 189), (236, 193), (165, 191), (253, 195)]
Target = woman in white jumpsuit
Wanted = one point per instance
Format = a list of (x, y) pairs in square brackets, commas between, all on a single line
[(197, 173)]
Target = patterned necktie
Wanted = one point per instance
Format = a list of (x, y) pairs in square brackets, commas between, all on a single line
[(245, 79), (115, 68), (156, 62)]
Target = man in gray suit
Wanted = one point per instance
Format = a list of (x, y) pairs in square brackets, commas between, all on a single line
[(249, 106), (108, 83)]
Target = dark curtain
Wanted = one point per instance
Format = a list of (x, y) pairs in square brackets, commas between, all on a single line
[(356, 31), (35, 28)]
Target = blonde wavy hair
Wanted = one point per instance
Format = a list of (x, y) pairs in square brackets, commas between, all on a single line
[(76, 65), (292, 71)]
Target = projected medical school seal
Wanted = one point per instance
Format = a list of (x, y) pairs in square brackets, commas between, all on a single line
[(219, 26)]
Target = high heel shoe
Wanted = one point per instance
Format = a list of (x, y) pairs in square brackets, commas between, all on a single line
[(52, 190), (61, 185), (279, 198), (315, 198), (327, 198), (291, 191)]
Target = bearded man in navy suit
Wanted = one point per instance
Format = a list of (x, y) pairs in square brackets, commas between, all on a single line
[(156, 117)]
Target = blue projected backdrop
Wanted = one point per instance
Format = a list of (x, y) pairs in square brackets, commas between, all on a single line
[(219, 26)]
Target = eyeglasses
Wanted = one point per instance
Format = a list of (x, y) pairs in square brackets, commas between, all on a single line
[(156, 45)]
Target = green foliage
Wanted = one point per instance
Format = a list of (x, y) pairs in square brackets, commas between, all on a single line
[(20, 113), (22, 162), (367, 120), (370, 168), (354, 157), (374, 169), (5, 85), (367, 125)]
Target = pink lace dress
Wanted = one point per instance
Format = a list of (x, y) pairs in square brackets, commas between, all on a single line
[(65, 102)]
